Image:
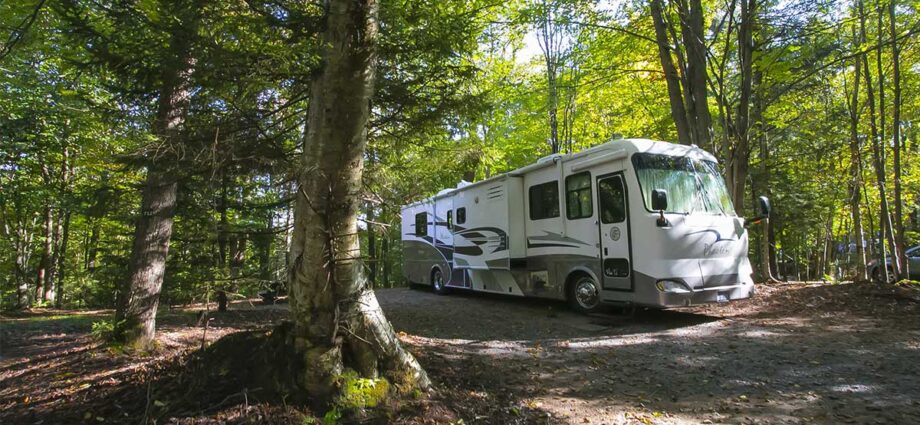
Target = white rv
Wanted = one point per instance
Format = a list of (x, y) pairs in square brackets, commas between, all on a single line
[(629, 221)]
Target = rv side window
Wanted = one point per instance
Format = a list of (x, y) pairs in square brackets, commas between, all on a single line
[(421, 224), (544, 200), (578, 196), (461, 215), (450, 221)]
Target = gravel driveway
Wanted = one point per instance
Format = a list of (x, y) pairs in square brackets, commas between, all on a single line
[(794, 354)]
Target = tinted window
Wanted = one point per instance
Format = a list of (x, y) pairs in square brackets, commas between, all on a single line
[(461, 215), (544, 200), (578, 196), (612, 200), (450, 216), (421, 224)]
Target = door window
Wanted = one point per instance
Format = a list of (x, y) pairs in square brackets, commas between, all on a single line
[(612, 200)]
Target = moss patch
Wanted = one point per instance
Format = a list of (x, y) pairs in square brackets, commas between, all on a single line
[(359, 393)]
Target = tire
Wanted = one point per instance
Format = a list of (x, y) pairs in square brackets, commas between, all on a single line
[(437, 282), (584, 294)]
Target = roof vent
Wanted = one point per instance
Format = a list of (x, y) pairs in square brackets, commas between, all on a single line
[(549, 158)]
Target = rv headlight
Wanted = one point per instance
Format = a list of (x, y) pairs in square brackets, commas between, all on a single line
[(672, 286)]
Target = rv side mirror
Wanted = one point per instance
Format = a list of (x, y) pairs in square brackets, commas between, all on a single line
[(659, 200), (763, 211), (660, 203), (763, 205)]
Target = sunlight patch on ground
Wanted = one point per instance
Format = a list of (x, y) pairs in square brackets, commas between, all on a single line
[(854, 388)]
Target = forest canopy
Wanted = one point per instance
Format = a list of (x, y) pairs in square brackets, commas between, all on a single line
[(810, 103)]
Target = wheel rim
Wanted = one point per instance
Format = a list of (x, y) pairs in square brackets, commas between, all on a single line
[(438, 280), (586, 293)]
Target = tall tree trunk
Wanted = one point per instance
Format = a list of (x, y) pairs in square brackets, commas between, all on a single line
[(44, 263), (237, 254), (741, 151), (63, 226), (856, 175), (94, 216), (62, 260), (896, 134), (767, 254), (263, 244), (23, 248), (52, 272), (136, 311), (672, 78), (384, 259), (372, 245), (694, 42), (877, 157), (338, 322), (550, 39), (92, 246), (223, 227)]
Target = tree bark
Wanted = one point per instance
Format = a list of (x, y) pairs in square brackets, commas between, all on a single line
[(856, 174), (672, 78), (23, 247), (739, 158), (372, 244), (223, 227), (896, 134), (237, 254), (62, 260), (384, 257), (135, 314), (338, 323), (52, 272), (877, 158), (44, 264), (691, 12), (549, 38)]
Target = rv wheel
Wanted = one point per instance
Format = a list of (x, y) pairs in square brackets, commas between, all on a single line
[(584, 295), (437, 282)]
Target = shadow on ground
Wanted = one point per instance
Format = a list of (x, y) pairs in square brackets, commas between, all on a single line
[(795, 354)]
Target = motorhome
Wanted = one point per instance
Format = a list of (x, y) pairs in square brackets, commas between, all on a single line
[(633, 221)]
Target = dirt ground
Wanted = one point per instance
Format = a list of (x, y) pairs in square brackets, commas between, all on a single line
[(797, 353)]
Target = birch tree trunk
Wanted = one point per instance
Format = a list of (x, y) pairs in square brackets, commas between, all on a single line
[(137, 304), (338, 323), (856, 174)]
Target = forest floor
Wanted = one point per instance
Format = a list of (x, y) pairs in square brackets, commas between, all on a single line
[(796, 353)]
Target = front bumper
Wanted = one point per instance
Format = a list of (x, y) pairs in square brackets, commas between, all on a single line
[(706, 295)]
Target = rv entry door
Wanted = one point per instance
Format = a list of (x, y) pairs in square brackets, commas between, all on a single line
[(613, 222)]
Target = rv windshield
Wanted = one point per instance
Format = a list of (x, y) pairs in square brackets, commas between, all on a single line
[(694, 186)]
